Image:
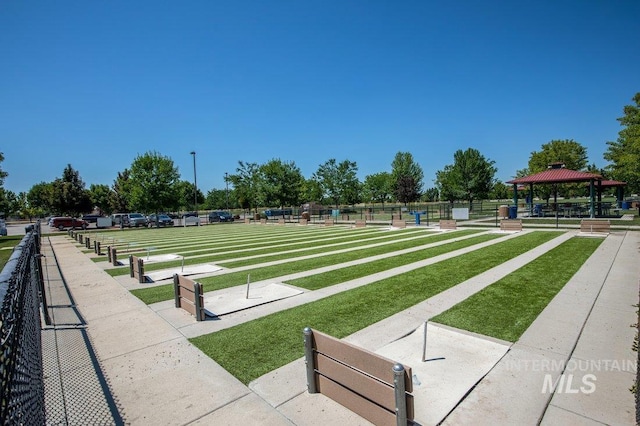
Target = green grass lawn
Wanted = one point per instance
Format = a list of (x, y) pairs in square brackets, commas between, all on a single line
[(254, 348), (507, 308), (165, 292), (6, 248)]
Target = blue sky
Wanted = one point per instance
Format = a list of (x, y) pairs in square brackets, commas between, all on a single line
[(96, 83)]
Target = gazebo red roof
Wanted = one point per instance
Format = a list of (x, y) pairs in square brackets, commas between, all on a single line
[(559, 175), (608, 183)]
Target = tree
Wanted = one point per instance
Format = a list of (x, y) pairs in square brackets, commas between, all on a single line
[(186, 197), (68, 194), (470, 177), (566, 151), (247, 185), (406, 178), (281, 183), (431, 194), (153, 182), (624, 153), (101, 198), (338, 181), (217, 199), (121, 191), (377, 188), (3, 174), (500, 191)]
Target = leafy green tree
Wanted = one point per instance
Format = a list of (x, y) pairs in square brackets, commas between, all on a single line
[(311, 191), (281, 183), (431, 195), (121, 192), (217, 199), (500, 191), (153, 183), (565, 151), (101, 198), (378, 188), (246, 183), (470, 177), (3, 174), (8, 203), (39, 196), (624, 153), (406, 178), (338, 181), (186, 197), (69, 195)]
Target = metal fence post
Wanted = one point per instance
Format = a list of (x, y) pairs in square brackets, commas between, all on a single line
[(401, 398), (308, 360)]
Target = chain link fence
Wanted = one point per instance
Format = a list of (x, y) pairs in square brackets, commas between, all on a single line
[(21, 378)]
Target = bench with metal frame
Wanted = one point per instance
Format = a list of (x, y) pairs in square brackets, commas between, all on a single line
[(595, 225), (511, 225), (189, 296), (372, 386), (136, 268), (448, 224)]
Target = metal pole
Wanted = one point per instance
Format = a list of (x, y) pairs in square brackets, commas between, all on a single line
[(424, 343), (401, 398), (226, 181), (248, 280), (308, 360), (195, 183)]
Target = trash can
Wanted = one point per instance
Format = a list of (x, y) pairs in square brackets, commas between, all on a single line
[(513, 212), (625, 205)]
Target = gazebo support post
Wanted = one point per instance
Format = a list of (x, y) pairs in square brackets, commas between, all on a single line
[(593, 199), (515, 195), (531, 196)]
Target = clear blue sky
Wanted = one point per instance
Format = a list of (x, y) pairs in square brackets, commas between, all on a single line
[(96, 83)]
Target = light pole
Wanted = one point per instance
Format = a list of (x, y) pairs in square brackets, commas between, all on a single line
[(195, 184), (226, 180)]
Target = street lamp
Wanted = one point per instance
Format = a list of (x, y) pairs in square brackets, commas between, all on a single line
[(195, 184), (226, 180)]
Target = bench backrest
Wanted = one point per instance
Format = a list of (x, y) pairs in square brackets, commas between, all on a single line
[(397, 223), (595, 225), (303, 221), (361, 223), (328, 222), (136, 268), (188, 296), (448, 224), (511, 224), (281, 221), (372, 386)]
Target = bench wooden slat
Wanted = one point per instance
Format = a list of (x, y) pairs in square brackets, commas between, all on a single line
[(189, 307), (448, 224), (186, 294), (511, 224), (362, 359), (595, 225), (363, 407), (399, 224), (361, 223), (381, 393), (186, 283)]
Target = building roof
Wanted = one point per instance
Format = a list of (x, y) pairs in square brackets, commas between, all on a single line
[(611, 183), (557, 175)]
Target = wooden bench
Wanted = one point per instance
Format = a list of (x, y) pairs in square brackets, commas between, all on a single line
[(374, 387), (329, 222), (87, 242), (361, 223), (448, 224), (263, 221), (595, 225), (247, 220), (136, 268), (397, 223), (511, 225), (281, 221), (303, 221), (112, 253), (189, 296)]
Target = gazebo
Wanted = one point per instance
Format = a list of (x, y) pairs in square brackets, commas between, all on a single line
[(557, 173)]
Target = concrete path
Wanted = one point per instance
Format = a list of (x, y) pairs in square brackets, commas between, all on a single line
[(157, 377)]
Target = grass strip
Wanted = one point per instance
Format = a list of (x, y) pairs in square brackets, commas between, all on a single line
[(506, 308), (269, 252), (165, 292), (256, 347)]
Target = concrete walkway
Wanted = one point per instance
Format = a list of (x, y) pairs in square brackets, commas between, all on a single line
[(157, 377)]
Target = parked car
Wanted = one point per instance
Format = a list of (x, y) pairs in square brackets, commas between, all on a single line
[(219, 216), (64, 222), (160, 220), (91, 218), (137, 219)]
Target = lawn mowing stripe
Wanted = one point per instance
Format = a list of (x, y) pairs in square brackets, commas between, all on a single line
[(230, 279), (254, 348), (505, 309), (256, 257)]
